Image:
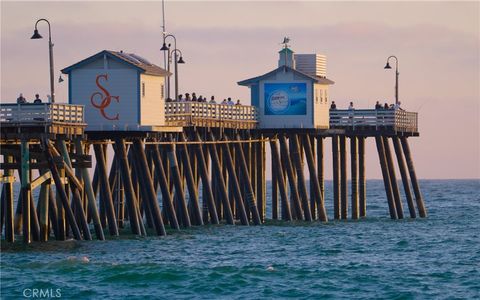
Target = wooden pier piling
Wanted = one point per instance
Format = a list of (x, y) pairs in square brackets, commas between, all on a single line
[(362, 188), (291, 179), (386, 177), (403, 173), (354, 176), (393, 178), (336, 177), (286, 211), (343, 178), (314, 179), (131, 198), (422, 211)]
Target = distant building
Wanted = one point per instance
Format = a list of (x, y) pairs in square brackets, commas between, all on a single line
[(121, 91), (294, 95)]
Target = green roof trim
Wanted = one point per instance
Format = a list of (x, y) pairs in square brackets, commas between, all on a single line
[(286, 50)]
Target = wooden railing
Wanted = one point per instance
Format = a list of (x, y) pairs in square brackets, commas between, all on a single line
[(200, 114), (398, 120), (41, 114)]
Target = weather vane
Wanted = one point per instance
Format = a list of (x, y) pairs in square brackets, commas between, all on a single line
[(285, 42)]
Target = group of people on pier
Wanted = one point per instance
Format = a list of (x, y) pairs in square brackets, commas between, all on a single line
[(22, 100), (201, 99), (378, 106)]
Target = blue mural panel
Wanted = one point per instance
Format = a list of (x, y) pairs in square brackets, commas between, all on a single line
[(285, 98)]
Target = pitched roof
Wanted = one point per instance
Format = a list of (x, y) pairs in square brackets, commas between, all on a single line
[(316, 79), (131, 59)]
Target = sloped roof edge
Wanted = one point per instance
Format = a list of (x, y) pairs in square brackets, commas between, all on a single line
[(316, 79)]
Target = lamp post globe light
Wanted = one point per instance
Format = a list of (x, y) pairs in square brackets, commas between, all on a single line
[(36, 35), (387, 66)]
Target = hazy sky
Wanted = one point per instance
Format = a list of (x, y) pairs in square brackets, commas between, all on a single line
[(437, 44)]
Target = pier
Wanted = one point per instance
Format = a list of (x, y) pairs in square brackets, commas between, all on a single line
[(154, 166)]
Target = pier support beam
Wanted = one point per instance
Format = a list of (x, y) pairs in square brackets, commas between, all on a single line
[(354, 181), (147, 181), (343, 178), (25, 190), (361, 177), (251, 199), (220, 183), (9, 215), (403, 173), (92, 202), (105, 187), (241, 212), (203, 168), (191, 183), (297, 159), (307, 146), (320, 165), (291, 178), (286, 211), (336, 177), (43, 208), (130, 195), (177, 181), (59, 185), (393, 178), (274, 196), (164, 187), (386, 177), (422, 211)]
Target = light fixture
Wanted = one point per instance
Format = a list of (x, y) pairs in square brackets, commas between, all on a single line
[(164, 47), (36, 35)]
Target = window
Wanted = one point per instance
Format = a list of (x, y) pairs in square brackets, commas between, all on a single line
[(321, 96), (326, 100), (143, 89), (162, 92), (316, 96)]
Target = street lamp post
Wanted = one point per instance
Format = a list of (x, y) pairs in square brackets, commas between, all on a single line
[(37, 35), (167, 48), (177, 61), (387, 66)]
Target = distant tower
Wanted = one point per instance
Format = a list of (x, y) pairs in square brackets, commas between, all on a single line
[(286, 55)]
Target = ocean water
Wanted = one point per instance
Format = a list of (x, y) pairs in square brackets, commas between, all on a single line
[(433, 258)]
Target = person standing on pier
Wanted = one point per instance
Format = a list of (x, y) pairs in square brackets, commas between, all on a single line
[(21, 99), (378, 105), (37, 99), (350, 107), (212, 100), (224, 101), (230, 102), (238, 102), (333, 106)]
